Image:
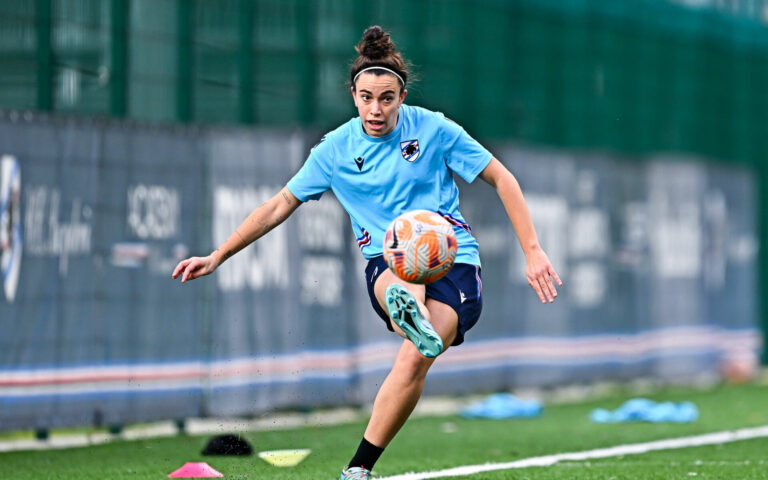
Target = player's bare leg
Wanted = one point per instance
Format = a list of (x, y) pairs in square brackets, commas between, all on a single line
[(401, 390), (410, 318), (386, 279)]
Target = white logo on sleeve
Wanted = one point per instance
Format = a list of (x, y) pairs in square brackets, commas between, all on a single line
[(463, 297)]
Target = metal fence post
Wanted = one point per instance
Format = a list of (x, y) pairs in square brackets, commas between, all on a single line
[(185, 69), (246, 105), (43, 26), (306, 33), (118, 84)]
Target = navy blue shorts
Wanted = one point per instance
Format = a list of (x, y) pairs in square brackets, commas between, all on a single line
[(461, 289)]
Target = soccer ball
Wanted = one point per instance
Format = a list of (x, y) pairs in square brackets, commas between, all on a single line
[(420, 246)]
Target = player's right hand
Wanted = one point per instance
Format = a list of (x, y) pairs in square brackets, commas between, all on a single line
[(195, 267)]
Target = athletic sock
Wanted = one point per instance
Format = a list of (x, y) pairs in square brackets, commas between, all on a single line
[(366, 456)]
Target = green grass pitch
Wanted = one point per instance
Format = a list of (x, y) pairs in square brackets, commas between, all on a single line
[(436, 443)]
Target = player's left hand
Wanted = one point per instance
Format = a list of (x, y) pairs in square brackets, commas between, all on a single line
[(540, 274), (195, 267)]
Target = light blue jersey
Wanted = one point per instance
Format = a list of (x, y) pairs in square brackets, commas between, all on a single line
[(378, 178)]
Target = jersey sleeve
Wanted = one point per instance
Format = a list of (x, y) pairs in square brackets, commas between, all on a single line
[(462, 153), (315, 175)]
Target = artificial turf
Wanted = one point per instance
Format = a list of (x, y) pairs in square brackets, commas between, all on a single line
[(435, 443)]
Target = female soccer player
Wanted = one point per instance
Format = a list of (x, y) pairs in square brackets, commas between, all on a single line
[(391, 159)]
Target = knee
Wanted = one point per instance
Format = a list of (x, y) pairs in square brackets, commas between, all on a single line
[(413, 366)]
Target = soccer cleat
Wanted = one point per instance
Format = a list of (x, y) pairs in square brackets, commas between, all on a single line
[(404, 311), (355, 473)]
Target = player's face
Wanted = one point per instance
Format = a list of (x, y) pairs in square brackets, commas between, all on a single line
[(378, 98)]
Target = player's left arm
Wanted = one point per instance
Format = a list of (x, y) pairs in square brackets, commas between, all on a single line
[(538, 269)]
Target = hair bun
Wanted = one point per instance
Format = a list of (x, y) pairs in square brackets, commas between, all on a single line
[(375, 43)]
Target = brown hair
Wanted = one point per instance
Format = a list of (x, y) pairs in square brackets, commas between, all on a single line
[(376, 49)]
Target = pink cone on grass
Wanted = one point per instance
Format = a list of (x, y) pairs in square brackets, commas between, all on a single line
[(195, 470)]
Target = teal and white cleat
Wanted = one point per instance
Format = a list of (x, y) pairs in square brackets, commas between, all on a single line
[(403, 310), (355, 473)]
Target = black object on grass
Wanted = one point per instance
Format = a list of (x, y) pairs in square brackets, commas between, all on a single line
[(227, 445)]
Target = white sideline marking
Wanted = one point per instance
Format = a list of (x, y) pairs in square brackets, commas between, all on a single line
[(631, 449)]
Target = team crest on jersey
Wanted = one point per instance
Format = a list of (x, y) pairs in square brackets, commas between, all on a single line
[(410, 150)]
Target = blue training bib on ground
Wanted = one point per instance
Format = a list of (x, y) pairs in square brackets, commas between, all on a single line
[(378, 178)]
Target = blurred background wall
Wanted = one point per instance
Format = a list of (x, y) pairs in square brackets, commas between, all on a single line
[(134, 133)]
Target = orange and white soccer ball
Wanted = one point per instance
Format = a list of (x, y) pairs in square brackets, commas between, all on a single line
[(420, 246)]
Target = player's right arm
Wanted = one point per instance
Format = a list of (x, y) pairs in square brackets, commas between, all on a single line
[(309, 183), (260, 221)]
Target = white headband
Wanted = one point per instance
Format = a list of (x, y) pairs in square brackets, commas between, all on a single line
[(379, 68)]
